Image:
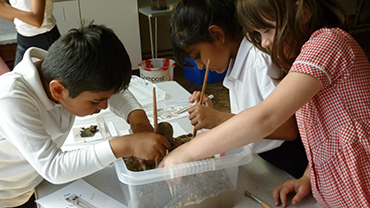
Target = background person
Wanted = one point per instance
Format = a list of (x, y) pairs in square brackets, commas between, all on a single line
[(34, 22)]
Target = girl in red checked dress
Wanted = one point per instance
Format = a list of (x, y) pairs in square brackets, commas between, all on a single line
[(327, 85)]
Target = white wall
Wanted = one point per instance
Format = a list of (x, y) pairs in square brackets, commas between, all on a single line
[(119, 15)]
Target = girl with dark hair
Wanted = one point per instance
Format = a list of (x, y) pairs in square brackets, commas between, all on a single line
[(250, 78)]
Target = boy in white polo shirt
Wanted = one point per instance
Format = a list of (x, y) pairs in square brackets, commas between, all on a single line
[(83, 71)]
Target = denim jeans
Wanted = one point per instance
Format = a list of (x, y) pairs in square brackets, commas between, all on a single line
[(43, 41)]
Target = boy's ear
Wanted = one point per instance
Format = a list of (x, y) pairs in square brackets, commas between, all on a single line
[(216, 32), (56, 89)]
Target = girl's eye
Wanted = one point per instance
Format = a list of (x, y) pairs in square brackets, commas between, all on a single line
[(95, 102), (196, 57), (266, 31)]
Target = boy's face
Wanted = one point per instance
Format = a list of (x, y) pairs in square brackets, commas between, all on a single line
[(86, 103), (218, 55)]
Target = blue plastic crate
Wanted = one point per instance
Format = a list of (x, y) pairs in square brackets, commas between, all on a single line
[(196, 75)]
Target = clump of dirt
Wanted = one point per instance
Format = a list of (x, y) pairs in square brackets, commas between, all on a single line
[(89, 131)]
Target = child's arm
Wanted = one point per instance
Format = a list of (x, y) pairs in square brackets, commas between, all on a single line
[(206, 117), (139, 122), (288, 131), (301, 186), (251, 124), (34, 17)]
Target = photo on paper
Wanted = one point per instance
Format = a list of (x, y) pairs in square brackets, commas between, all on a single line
[(86, 133), (78, 201), (78, 194)]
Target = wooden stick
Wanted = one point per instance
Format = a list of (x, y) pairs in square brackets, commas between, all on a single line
[(262, 203), (202, 92), (155, 117)]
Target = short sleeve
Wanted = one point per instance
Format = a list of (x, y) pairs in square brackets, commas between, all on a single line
[(326, 56)]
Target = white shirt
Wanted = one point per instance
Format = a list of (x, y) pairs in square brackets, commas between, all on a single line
[(30, 30), (32, 130), (250, 80)]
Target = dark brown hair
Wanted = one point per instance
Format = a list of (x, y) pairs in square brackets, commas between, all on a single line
[(289, 16)]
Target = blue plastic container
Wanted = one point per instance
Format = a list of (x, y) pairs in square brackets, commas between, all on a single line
[(196, 75)]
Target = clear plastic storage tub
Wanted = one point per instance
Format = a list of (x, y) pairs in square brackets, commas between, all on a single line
[(205, 183)]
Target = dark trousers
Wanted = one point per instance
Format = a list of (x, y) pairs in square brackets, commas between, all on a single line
[(290, 156), (43, 41), (30, 203)]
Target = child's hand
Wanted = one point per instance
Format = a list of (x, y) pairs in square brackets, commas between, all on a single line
[(204, 117), (301, 187), (195, 98), (145, 145)]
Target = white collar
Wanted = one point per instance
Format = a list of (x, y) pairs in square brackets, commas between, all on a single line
[(29, 72), (235, 66)]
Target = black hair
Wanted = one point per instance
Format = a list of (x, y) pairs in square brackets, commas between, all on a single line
[(192, 18), (91, 58)]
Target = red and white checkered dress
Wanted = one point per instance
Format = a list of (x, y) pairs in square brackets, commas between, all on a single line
[(335, 123)]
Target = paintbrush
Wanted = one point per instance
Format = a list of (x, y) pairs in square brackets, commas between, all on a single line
[(264, 204), (155, 119), (202, 92)]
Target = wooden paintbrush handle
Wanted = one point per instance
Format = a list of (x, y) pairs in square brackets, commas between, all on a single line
[(202, 92), (265, 205), (155, 117)]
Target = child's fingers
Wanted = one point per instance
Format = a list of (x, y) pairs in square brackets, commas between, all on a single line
[(283, 196), (280, 195), (154, 147), (302, 192), (162, 146), (165, 142), (161, 151), (208, 102), (276, 195), (195, 97), (297, 198)]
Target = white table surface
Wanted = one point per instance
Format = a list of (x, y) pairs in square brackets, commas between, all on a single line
[(259, 177), (8, 34)]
